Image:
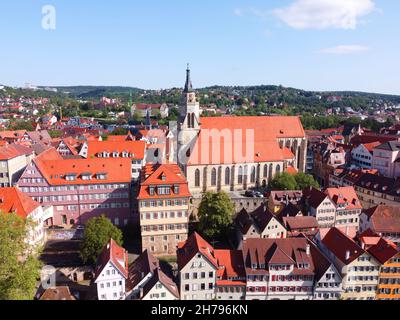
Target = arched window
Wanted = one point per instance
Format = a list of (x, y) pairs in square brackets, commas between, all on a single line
[(270, 172), (197, 178), (193, 120), (278, 169), (253, 175), (265, 171), (214, 177), (240, 175), (189, 120), (227, 176)]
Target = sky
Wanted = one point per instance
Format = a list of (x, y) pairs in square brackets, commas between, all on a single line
[(306, 44)]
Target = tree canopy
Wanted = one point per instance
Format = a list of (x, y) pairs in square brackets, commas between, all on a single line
[(215, 214), (287, 181), (19, 264), (97, 234)]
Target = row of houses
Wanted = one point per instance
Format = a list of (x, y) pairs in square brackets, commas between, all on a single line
[(330, 266)]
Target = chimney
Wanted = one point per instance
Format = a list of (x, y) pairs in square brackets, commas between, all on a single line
[(347, 254), (308, 249)]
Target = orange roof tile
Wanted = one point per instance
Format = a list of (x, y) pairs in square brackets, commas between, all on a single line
[(55, 169), (253, 134), (137, 148), (163, 174), (13, 200), (344, 195)]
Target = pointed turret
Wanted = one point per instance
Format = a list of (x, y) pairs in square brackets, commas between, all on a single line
[(188, 84)]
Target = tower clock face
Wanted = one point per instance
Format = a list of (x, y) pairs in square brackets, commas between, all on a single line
[(191, 98)]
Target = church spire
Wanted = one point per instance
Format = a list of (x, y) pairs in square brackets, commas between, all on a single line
[(188, 84)]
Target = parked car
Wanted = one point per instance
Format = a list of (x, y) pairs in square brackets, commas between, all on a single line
[(250, 194)]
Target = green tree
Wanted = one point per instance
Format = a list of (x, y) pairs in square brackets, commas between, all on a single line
[(305, 180), (56, 134), (120, 132), (283, 181), (98, 232), (215, 214), (19, 265)]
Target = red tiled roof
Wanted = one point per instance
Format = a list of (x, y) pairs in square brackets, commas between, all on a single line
[(339, 244), (300, 222), (13, 200), (316, 197), (384, 218), (153, 176), (277, 251), (57, 294), (193, 245), (55, 170), (230, 264), (115, 254), (12, 151), (263, 141), (344, 195), (137, 148)]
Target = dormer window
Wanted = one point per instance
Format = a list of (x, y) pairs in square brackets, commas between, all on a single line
[(163, 177), (115, 154), (101, 176), (70, 177), (176, 189), (151, 191), (86, 176), (164, 190)]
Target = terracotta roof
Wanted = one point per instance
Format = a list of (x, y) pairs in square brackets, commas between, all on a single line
[(316, 197), (384, 218), (57, 294), (12, 151), (390, 146), (288, 154), (264, 142), (137, 148), (193, 245), (301, 222), (230, 264), (243, 221), (371, 146), (262, 216), (115, 254), (146, 263), (381, 249), (291, 170), (160, 276), (321, 262), (13, 200), (379, 184), (340, 244), (344, 196), (162, 174), (277, 251), (55, 169)]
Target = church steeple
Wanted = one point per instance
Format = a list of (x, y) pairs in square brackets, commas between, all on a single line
[(188, 84)]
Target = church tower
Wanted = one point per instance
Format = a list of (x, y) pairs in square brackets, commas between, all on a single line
[(190, 113)]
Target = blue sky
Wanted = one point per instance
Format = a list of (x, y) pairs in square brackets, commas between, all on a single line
[(307, 44)]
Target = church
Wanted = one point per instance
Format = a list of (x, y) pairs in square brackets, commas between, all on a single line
[(236, 153)]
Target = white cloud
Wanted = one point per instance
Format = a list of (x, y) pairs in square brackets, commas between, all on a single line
[(238, 12), (345, 49), (324, 14)]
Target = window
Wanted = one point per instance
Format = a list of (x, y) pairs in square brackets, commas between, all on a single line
[(253, 175), (227, 176), (197, 178), (214, 177), (240, 175)]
